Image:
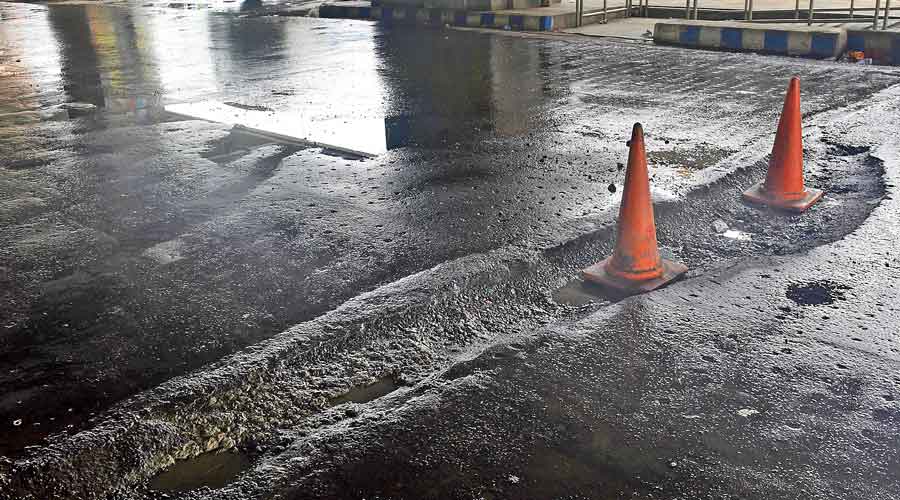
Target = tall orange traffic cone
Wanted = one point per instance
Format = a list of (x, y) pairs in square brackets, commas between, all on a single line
[(783, 187), (635, 265)]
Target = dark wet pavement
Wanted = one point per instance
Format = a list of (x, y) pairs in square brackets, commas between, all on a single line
[(138, 246)]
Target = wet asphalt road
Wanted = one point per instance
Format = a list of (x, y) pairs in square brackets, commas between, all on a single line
[(772, 377), (138, 246)]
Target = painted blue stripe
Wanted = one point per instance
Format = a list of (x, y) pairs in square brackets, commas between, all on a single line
[(776, 41), (387, 14), (823, 45), (365, 12), (546, 23), (517, 22), (459, 18), (487, 19), (895, 50), (434, 16), (690, 35), (856, 42), (732, 38)]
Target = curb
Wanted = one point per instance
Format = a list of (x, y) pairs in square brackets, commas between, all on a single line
[(440, 17), (452, 17), (814, 43)]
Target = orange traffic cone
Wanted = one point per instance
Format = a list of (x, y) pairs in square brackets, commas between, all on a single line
[(783, 187), (635, 265)]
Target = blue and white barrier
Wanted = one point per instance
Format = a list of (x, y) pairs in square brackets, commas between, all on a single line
[(815, 42)]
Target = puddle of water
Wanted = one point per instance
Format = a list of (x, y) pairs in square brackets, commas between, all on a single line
[(364, 137), (816, 293), (382, 387), (576, 293), (582, 458), (212, 470)]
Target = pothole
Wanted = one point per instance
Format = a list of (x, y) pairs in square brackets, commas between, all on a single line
[(816, 293), (364, 394), (838, 149), (210, 470)]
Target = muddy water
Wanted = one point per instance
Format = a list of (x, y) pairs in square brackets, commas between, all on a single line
[(364, 394), (211, 470)]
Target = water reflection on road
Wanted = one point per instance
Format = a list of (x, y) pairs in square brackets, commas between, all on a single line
[(134, 60), (115, 271)]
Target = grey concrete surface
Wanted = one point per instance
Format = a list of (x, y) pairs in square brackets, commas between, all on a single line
[(170, 287), (636, 28)]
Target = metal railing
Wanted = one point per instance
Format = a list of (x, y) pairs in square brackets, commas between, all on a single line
[(832, 14), (606, 11), (878, 16), (692, 11)]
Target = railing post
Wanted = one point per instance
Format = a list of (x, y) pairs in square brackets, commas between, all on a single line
[(811, 11), (745, 10), (687, 9), (696, 10), (887, 13), (605, 18), (750, 10), (875, 19), (852, 5), (797, 10)]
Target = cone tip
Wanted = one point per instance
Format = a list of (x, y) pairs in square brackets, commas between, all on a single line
[(795, 81), (637, 132)]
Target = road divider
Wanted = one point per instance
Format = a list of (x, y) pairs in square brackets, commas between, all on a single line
[(522, 20), (812, 42)]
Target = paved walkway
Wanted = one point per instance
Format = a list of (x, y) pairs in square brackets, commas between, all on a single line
[(636, 28)]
